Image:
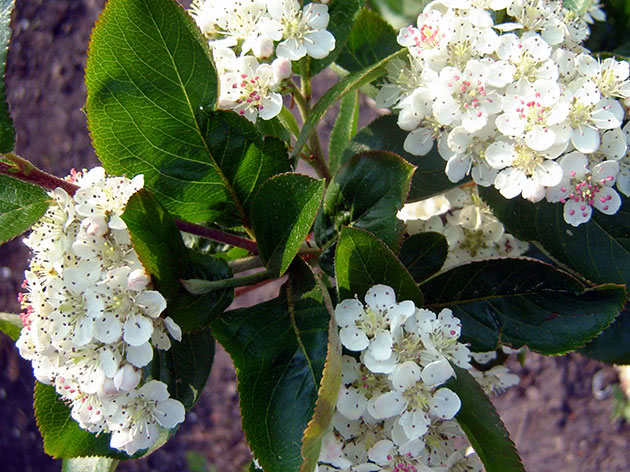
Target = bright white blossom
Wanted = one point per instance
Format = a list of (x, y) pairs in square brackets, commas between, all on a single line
[(396, 414), (506, 102), (90, 314), (253, 43)]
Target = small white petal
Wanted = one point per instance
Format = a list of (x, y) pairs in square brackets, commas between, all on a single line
[(137, 330), (437, 372), (353, 338), (141, 355), (445, 404), (169, 413)]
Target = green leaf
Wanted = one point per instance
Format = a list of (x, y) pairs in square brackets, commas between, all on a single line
[(21, 205), (283, 212), (160, 248), (343, 15), (363, 261), (279, 349), (613, 344), (423, 254), (11, 325), (62, 436), (385, 135), (523, 302), (273, 128), (599, 249), (363, 49), (151, 88), (89, 464), (185, 367), (7, 133), (326, 397), (366, 193), (483, 426), (346, 85), (344, 129), (289, 122)]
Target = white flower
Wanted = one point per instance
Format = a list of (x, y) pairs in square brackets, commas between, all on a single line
[(581, 188), (371, 327), (137, 421), (302, 31), (249, 90)]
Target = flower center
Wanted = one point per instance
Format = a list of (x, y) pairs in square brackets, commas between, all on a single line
[(527, 160)]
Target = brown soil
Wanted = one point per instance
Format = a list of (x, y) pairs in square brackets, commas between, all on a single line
[(553, 416)]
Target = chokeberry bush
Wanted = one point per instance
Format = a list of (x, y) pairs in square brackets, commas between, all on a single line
[(483, 213)]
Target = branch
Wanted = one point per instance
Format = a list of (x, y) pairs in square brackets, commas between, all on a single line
[(23, 170), (217, 235)]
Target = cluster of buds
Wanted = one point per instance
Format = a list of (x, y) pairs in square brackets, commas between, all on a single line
[(91, 319)]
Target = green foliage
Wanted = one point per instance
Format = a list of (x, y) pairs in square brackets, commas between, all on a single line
[(344, 129), (151, 88), (598, 250), (363, 261), (21, 205), (346, 85), (7, 133), (423, 254), (523, 302), (363, 49), (282, 215), (366, 193), (480, 421), (185, 367), (613, 344), (384, 134), (160, 248), (279, 349), (89, 464), (11, 325)]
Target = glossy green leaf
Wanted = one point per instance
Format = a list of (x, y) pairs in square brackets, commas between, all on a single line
[(159, 245), (7, 133), (185, 367), (613, 344), (363, 49), (62, 436), (344, 129), (599, 249), (273, 128), (523, 302), (423, 254), (279, 349), (11, 325), (346, 85), (363, 261), (283, 212), (384, 134), (483, 426), (151, 88), (366, 193), (343, 15), (21, 205), (89, 464)]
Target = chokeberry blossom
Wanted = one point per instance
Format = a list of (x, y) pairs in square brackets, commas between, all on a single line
[(399, 419), (91, 318), (507, 107)]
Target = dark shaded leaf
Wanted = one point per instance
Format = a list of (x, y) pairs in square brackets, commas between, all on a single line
[(523, 302), (363, 261), (483, 426), (423, 254)]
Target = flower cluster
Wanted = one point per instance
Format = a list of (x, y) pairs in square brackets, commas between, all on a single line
[(90, 318), (253, 43), (471, 230), (519, 105), (393, 410)]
